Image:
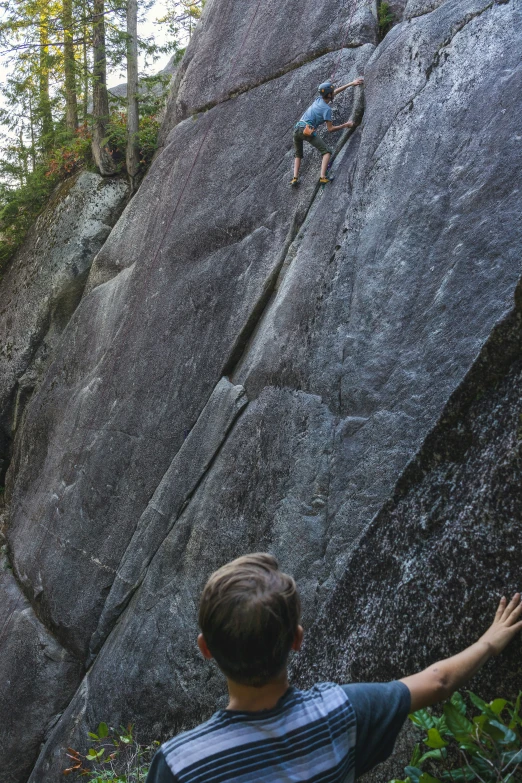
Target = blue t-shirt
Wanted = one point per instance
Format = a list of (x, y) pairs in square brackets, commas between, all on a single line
[(329, 734), (317, 113)]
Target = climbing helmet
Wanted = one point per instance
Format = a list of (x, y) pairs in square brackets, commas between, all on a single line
[(326, 89)]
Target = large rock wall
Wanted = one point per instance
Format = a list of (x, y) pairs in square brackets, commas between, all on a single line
[(253, 367), (43, 285), (426, 577)]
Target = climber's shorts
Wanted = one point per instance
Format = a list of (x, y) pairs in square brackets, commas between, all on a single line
[(316, 141)]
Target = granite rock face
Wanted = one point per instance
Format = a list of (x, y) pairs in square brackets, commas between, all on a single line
[(44, 284), (235, 49), (426, 577), (38, 675), (110, 424), (253, 367)]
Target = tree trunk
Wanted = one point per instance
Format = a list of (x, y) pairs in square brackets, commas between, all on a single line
[(100, 102), (31, 127), (46, 117), (71, 106), (85, 102), (24, 173), (132, 153)]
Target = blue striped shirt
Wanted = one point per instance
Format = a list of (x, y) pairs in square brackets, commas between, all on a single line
[(308, 736)]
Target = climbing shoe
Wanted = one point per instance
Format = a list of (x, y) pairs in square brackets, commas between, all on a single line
[(325, 180), (294, 182)]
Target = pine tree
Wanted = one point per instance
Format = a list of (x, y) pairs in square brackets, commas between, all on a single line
[(132, 152), (69, 64)]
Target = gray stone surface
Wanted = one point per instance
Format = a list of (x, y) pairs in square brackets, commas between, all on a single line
[(38, 678), (128, 385), (270, 497), (387, 302), (428, 574), (263, 40), (43, 285), (179, 483), (419, 7), (349, 316)]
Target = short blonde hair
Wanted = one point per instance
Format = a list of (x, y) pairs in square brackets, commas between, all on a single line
[(248, 615)]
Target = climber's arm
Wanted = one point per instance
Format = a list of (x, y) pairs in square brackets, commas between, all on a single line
[(355, 83), (331, 127), (440, 680)]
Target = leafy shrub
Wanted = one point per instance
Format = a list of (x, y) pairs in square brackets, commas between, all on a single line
[(72, 155), (486, 747), (116, 138), (116, 757), (20, 206)]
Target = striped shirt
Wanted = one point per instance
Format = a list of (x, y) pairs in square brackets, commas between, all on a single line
[(309, 736)]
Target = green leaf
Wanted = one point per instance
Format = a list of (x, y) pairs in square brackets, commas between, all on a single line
[(414, 773), (423, 719), (103, 730), (92, 735), (91, 755), (508, 736), (415, 756), (441, 725), (434, 739), (492, 731), (458, 724), (457, 775), (477, 701), (432, 754), (498, 705), (469, 745), (458, 703), (427, 778)]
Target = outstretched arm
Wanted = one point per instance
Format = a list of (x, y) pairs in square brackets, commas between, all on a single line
[(355, 83), (439, 681), (331, 127)]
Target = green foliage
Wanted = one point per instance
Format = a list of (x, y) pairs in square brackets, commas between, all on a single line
[(116, 757), (117, 138), (181, 17), (20, 206), (384, 18), (461, 746)]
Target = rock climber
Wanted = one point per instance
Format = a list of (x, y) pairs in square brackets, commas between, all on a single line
[(306, 128)]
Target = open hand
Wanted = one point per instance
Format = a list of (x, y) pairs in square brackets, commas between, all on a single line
[(349, 124), (506, 625)]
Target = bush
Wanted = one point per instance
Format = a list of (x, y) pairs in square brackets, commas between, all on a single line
[(116, 138), (72, 155), (486, 747), (115, 758), (20, 206)]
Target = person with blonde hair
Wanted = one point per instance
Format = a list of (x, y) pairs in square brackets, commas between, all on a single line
[(272, 732)]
